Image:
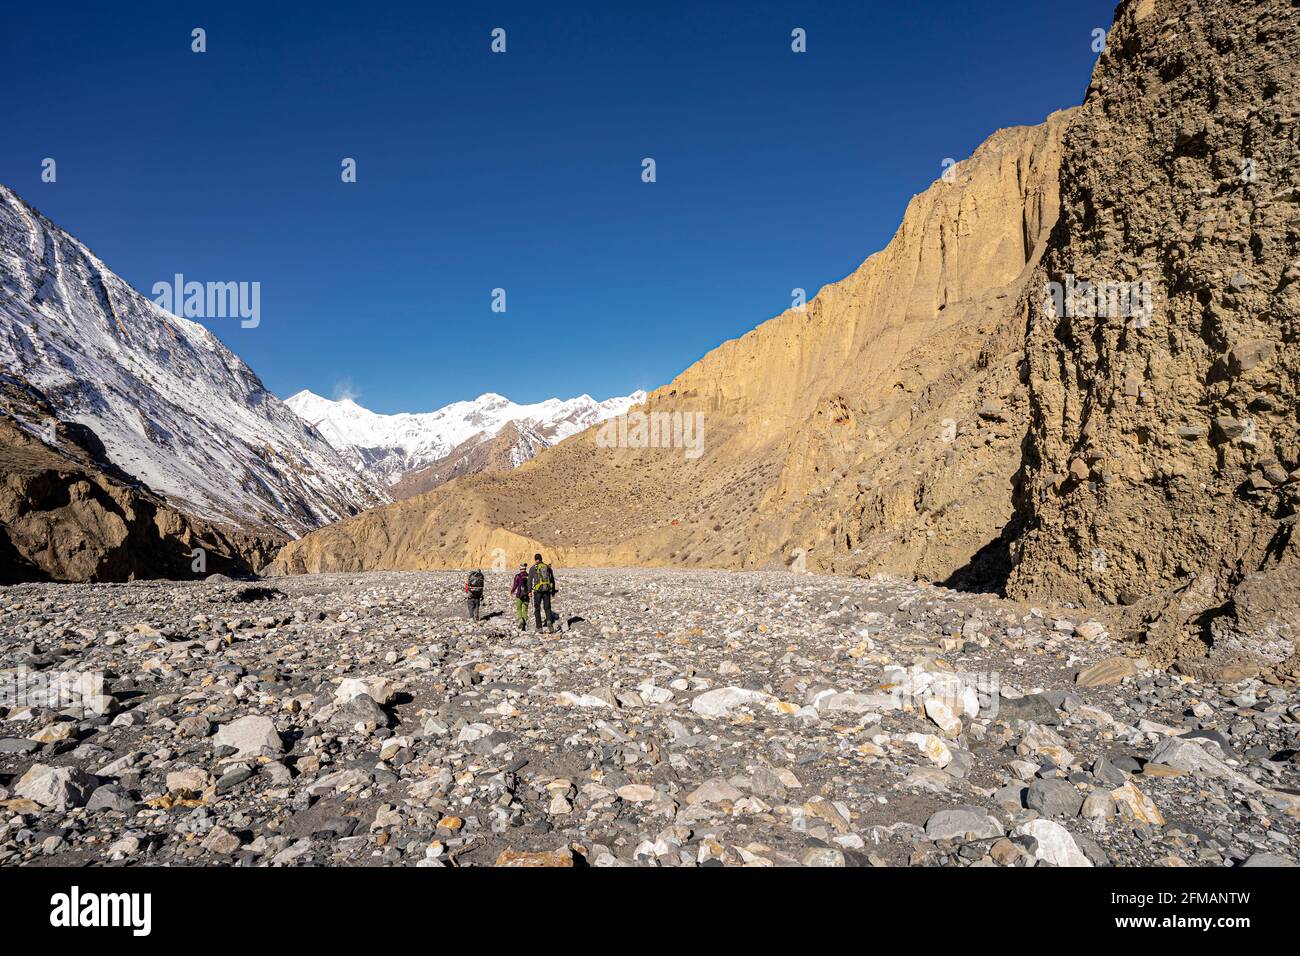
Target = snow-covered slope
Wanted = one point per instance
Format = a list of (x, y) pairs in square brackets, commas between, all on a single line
[(172, 405), (388, 447)]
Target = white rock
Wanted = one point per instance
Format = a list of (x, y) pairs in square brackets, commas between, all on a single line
[(582, 700), (559, 805), (853, 703), (636, 793), (654, 695), (1055, 845), (933, 747), (352, 779), (939, 711), (720, 702), (194, 779), (250, 736), (1043, 740), (377, 689), (714, 790), (56, 788)]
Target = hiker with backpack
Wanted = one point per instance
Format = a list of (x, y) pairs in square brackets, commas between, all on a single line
[(474, 593), (541, 584), (519, 591)]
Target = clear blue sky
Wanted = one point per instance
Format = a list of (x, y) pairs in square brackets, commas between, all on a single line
[(520, 171)]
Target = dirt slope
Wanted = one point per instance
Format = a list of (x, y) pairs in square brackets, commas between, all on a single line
[(503, 451)]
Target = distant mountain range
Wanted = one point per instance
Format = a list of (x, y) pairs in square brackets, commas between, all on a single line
[(409, 453)]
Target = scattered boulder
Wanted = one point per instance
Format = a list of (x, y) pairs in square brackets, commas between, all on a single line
[(1053, 843), (56, 788), (250, 736), (1113, 670)]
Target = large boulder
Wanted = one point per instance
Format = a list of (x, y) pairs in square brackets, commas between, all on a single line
[(963, 823), (56, 788), (1055, 845), (251, 736)]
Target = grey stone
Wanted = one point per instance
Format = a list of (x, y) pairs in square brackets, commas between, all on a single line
[(822, 856), (1035, 707), (1054, 798), (957, 824), (250, 736), (111, 797), (18, 745), (1108, 773), (360, 710)]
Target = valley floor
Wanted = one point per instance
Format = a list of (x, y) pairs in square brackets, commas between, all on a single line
[(677, 718)]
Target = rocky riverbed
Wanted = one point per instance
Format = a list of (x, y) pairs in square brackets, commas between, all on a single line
[(674, 719)]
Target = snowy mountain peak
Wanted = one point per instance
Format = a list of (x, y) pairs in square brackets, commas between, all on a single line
[(388, 447), (172, 406)]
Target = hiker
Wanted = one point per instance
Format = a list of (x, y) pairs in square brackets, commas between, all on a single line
[(519, 591), (474, 592), (541, 584)]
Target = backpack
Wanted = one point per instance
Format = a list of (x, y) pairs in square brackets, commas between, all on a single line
[(476, 583), (545, 579)]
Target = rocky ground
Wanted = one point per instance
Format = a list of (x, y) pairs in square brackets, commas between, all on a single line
[(675, 719)]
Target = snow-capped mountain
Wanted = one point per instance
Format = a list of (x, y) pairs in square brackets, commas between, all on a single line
[(173, 406), (387, 448)]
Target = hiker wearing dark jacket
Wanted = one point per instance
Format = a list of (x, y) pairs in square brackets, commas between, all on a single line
[(541, 585), (519, 591), (474, 593)]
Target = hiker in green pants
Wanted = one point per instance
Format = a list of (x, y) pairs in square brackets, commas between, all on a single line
[(519, 591)]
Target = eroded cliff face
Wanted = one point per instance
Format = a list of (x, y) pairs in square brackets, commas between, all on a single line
[(1162, 453), (876, 429)]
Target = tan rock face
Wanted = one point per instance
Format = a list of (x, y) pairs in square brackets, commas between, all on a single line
[(1179, 172), (545, 858), (877, 429)]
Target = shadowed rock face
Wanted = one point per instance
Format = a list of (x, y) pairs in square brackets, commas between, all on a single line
[(67, 514), (877, 429), (1160, 462)]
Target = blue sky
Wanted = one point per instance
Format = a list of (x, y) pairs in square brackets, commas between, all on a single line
[(519, 171)]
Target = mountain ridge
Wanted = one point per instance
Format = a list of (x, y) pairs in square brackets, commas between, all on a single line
[(172, 405), (388, 448)]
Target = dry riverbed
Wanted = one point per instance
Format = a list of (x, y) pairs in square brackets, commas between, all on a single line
[(674, 719)]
